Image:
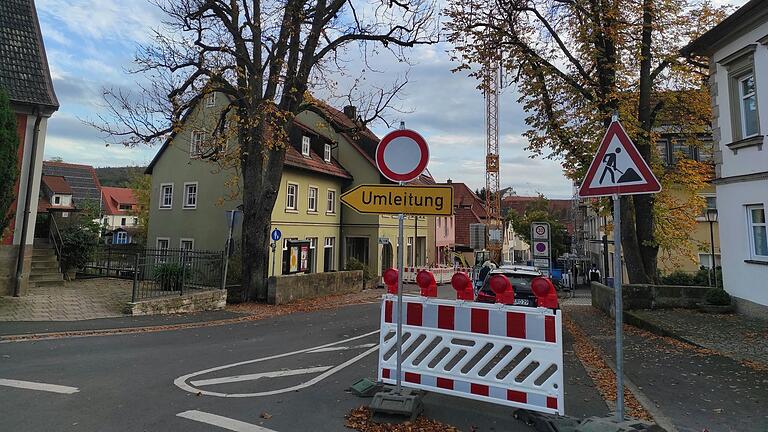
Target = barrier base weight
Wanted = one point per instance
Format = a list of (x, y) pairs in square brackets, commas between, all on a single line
[(387, 404)]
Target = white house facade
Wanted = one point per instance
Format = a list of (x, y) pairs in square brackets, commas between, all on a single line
[(738, 57)]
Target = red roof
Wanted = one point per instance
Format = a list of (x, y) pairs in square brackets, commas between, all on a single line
[(314, 163), (57, 184), (112, 197)]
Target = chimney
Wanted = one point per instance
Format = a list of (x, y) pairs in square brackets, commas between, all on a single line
[(449, 181), (351, 112)]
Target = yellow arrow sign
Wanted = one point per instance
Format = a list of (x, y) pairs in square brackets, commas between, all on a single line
[(391, 199)]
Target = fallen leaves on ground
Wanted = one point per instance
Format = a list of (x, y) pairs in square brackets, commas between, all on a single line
[(602, 375), (359, 419)]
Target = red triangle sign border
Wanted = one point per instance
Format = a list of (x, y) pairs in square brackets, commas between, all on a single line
[(651, 184)]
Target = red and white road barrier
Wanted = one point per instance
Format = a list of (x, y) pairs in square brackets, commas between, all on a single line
[(442, 275), (508, 355)]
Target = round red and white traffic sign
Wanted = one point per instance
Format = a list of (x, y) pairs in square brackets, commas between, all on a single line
[(402, 155)]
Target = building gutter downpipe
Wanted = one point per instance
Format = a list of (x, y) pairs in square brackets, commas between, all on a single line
[(27, 200)]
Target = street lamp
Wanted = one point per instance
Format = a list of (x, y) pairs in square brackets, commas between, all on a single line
[(711, 214)]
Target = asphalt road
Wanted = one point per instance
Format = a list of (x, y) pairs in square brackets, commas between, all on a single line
[(211, 378)]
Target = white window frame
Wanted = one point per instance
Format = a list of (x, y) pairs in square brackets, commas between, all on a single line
[(742, 98), (123, 221), (196, 139), (186, 205), (327, 153), (750, 231), (306, 143), (330, 201), (162, 196), (135, 221), (56, 200), (167, 241), (288, 206), (210, 99), (329, 244), (313, 253), (118, 236), (312, 200), (186, 240)]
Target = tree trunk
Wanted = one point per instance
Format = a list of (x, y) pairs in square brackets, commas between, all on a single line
[(638, 237), (261, 172)]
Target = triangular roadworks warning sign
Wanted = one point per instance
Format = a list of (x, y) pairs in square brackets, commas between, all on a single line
[(618, 168)]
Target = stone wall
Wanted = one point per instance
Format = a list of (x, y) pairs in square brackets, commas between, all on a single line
[(648, 297), (195, 302), (285, 289)]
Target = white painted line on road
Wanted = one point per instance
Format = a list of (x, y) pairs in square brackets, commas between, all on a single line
[(53, 388), (222, 422), (343, 348), (181, 382), (251, 377)]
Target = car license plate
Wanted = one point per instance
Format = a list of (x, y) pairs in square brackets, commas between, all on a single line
[(522, 302)]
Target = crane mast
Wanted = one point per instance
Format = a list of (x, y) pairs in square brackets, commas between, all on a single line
[(492, 196)]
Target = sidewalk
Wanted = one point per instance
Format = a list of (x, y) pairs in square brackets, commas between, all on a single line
[(737, 336), (695, 389), (70, 301)]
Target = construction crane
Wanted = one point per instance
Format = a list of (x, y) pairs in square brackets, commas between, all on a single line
[(492, 199)]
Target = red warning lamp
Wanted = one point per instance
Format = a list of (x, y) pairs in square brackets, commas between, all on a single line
[(426, 281), (545, 293), (463, 286), (390, 277), (501, 286)]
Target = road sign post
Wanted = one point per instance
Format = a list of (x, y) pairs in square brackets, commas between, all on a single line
[(622, 171), (276, 235), (401, 156)]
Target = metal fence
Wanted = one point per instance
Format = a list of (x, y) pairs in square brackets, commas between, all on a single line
[(158, 272)]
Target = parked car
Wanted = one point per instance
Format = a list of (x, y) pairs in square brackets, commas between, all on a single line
[(522, 280)]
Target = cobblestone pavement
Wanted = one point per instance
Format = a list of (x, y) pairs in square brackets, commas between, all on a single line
[(737, 336), (71, 301)]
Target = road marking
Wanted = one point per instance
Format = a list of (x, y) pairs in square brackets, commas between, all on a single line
[(181, 382), (252, 377), (222, 422), (343, 348), (53, 388)]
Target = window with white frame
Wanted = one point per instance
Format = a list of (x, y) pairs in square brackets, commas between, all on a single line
[(329, 260), (122, 221), (166, 195), (135, 221), (758, 232), (312, 199), (163, 243), (312, 254), (305, 142), (705, 260), (190, 195), (210, 99), (748, 106), (327, 153), (196, 143), (187, 244), (56, 199), (331, 201), (291, 196), (121, 237)]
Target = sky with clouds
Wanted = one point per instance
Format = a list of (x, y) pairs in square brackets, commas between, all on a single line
[(91, 43)]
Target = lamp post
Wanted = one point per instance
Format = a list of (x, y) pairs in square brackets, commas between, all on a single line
[(711, 214)]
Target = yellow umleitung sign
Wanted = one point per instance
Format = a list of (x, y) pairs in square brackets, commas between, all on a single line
[(391, 199)]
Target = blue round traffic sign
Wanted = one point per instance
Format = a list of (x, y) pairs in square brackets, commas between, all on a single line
[(276, 234)]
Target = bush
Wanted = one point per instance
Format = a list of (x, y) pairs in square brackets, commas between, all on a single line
[(169, 276), (355, 264), (678, 278), (78, 245), (717, 297)]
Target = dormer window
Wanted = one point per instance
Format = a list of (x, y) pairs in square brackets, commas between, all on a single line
[(210, 99), (56, 200), (327, 153), (305, 146)]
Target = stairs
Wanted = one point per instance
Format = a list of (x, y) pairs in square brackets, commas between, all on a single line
[(45, 270)]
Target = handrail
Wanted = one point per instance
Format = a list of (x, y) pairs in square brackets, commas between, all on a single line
[(57, 245)]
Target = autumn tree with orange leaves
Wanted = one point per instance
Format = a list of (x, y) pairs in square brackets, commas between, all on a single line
[(575, 63)]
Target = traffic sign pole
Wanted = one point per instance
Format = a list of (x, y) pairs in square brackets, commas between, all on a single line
[(400, 229), (618, 273)]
